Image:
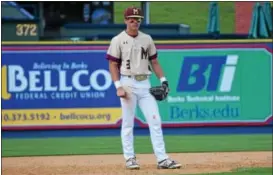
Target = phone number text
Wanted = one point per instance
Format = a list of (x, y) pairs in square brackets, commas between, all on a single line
[(25, 117)]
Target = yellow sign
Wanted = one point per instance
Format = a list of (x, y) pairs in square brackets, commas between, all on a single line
[(45, 117)]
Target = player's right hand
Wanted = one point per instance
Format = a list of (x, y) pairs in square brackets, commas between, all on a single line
[(121, 92)]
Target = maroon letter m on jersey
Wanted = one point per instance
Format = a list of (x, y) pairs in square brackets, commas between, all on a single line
[(144, 53)]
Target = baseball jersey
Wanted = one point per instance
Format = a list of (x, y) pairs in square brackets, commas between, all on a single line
[(133, 53)]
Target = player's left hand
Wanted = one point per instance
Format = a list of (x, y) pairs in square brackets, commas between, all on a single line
[(160, 92)]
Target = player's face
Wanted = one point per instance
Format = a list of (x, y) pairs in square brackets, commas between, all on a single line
[(133, 23)]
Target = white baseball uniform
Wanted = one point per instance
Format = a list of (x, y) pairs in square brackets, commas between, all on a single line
[(134, 55)]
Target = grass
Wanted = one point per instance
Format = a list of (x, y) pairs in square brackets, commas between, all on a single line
[(245, 171), (194, 14), (112, 145)]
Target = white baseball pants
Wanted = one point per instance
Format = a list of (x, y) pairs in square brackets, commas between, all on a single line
[(139, 94)]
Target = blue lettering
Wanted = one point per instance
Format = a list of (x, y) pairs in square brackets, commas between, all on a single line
[(203, 64), (225, 111), (186, 74), (174, 112), (204, 113), (198, 113), (216, 67)]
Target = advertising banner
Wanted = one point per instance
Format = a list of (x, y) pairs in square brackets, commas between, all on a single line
[(216, 86), (54, 87)]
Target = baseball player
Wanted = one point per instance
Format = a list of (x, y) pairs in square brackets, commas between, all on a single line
[(132, 55)]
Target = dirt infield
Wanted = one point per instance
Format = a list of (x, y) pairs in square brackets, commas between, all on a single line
[(114, 164)]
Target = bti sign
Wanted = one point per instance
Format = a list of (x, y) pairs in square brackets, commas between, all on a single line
[(207, 72)]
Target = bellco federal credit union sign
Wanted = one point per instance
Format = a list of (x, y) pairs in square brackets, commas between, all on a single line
[(66, 88)]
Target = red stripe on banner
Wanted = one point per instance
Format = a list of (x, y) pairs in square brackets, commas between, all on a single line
[(56, 127), (173, 125)]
